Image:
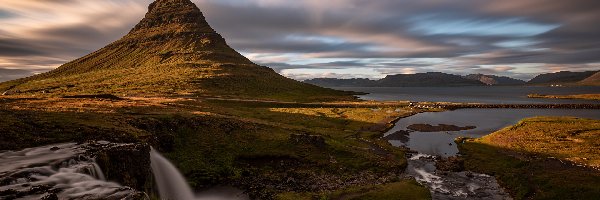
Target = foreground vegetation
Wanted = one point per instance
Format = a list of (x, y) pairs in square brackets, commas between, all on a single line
[(574, 96), (270, 149), (541, 158)]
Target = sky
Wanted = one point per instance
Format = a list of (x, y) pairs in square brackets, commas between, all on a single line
[(304, 39)]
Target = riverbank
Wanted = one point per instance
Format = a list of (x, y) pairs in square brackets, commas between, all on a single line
[(540, 158)]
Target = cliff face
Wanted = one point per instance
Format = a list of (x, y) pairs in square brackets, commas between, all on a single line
[(172, 51)]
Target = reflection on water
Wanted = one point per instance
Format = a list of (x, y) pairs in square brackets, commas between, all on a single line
[(474, 94), (486, 121)]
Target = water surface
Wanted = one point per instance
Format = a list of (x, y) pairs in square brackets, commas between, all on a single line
[(474, 94), (486, 121)]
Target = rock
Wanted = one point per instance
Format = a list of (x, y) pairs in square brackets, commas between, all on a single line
[(453, 164), (54, 148), (314, 140), (128, 164)]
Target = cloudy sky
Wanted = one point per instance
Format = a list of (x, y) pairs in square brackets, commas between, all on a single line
[(334, 38)]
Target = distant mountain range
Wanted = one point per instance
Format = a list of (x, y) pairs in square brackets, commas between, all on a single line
[(495, 80), (434, 79)]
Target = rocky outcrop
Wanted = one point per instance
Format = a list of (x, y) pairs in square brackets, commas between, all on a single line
[(128, 164)]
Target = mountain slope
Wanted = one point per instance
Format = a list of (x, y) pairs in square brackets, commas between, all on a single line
[(562, 77), (425, 79), (495, 80), (172, 51), (592, 80)]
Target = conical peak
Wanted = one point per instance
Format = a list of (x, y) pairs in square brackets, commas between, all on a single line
[(162, 4), (173, 16)]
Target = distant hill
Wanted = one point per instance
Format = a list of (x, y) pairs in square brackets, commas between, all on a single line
[(495, 80), (334, 82), (172, 51), (430, 79), (426, 79), (592, 80), (563, 77)]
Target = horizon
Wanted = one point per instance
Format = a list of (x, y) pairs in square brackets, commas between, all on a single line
[(337, 39)]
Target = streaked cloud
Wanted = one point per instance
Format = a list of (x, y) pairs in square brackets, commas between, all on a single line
[(314, 38)]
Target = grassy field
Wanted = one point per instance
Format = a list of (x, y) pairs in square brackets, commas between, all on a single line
[(541, 158), (575, 96), (265, 148)]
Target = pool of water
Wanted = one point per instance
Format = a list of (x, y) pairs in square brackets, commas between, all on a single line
[(486, 121)]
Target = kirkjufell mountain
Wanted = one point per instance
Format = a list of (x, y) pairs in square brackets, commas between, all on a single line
[(172, 51)]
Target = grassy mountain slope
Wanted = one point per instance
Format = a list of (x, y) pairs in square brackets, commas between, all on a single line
[(563, 77), (592, 80), (172, 51)]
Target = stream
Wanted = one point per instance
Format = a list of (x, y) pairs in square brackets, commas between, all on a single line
[(435, 145), (61, 171)]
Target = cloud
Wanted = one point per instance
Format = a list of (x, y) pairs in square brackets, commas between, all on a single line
[(517, 38)]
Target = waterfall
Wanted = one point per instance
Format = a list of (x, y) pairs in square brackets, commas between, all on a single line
[(171, 184), (62, 171)]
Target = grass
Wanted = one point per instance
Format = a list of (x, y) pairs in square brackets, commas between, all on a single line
[(227, 142), (574, 96), (538, 158)]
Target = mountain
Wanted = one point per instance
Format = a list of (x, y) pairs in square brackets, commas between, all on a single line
[(334, 82), (426, 79), (495, 80), (172, 51), (563, 77), (592, 80)]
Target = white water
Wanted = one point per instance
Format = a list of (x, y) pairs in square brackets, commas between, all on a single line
[(173, 186), (63, 169), (453, 185)]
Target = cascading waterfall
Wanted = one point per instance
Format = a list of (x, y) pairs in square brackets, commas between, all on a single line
[(171, 184), (60, 171), (66, 171)]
